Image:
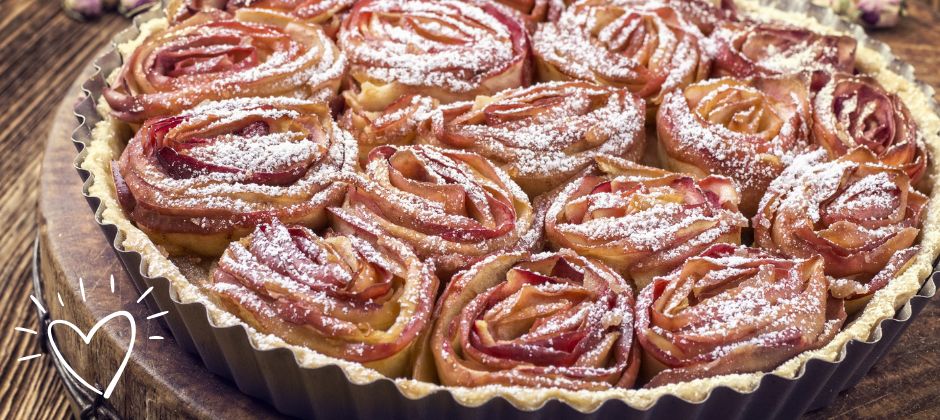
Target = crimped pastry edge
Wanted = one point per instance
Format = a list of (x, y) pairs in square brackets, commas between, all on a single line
[(106, 144)]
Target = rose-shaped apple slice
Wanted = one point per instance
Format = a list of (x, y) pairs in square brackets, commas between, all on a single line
[(399, 124), (733, 310), (545, 134), (453, 207), (746, 129), (766, 49), (328, 14), (705, 14), (198, 180), (860, 215), (642, 221), (535, 11), (217, 56), (357, 296), (853, 111), (548, 320), (650, 50), (445, 49)]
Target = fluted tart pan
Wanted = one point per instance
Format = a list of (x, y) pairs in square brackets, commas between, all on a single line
[(303, 384)]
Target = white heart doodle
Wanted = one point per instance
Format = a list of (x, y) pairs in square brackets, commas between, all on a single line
[(87, 339)]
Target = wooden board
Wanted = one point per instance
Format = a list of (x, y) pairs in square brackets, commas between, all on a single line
[(43, 50), (163, 381)]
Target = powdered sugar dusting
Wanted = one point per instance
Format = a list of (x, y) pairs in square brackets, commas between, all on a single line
[(391, 43), (342, 290), (663, 226), (799, 196), (590, 42), (746, 157), (743, 300), (308, 65), (873, 191), (561, 138), (316, 157)]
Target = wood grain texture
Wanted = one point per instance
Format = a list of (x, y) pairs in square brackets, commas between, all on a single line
[(43, 51)]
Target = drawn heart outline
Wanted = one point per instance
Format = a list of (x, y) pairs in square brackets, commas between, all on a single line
[(86, 338)]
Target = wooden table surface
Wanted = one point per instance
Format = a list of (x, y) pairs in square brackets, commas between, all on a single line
[(41, 51)]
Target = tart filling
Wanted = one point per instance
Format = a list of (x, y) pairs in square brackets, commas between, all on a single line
[(110, 134)]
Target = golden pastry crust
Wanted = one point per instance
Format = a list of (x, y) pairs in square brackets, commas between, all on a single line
[(109, 136)]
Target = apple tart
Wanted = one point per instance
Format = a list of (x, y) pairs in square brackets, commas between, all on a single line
[(533, 200)]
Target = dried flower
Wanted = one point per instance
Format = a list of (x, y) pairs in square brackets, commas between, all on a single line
[(83, 9), (870, 13), (879, 13)]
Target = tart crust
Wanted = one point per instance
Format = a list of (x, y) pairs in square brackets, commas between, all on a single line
[(109, 136)]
